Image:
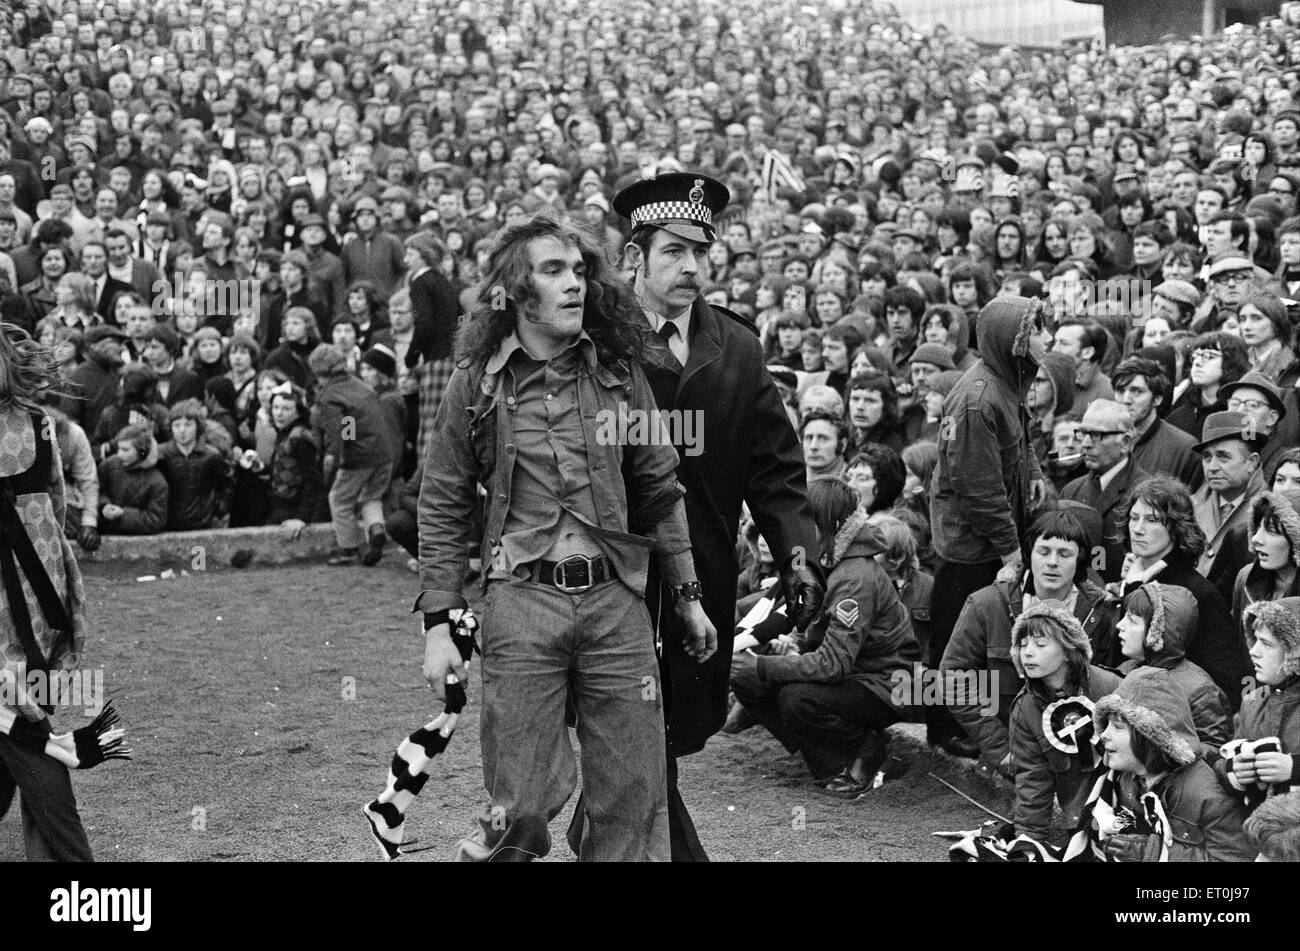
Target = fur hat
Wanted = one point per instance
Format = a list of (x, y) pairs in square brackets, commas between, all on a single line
[(1072, 635), (1282, 618), (1285, 507), (1153, 706)]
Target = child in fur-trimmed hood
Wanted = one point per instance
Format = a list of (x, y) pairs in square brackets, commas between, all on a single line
[(1158, 619), (1274, 571), (1271, 711), (1160, 801)]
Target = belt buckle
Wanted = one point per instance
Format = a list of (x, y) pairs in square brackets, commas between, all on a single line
[(561, 576)]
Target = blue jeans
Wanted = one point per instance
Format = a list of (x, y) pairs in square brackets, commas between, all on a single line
[(539, 642)]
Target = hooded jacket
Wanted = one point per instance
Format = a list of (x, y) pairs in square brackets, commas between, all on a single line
[(140, 490), (1042, 770), (864, 632), (1174, 619), (981, 641), (1273, 711), (980, 494), (1204, 819), (1254, 584)]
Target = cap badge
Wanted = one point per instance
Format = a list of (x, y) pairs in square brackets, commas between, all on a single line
[(697, 193)]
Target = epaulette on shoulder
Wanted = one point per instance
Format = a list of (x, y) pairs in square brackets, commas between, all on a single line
[(744, 322)]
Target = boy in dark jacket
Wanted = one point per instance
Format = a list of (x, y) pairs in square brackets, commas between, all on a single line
[(198, 478), (132, 492), (358, 459)]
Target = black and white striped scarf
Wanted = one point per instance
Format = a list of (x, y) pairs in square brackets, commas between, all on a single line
[(1101, 818), (413, 762)]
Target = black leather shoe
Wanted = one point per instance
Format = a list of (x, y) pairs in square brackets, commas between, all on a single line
[(960, 746), (378, 538)]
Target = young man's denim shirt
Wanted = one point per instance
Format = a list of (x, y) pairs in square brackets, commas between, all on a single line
[(635, 487)]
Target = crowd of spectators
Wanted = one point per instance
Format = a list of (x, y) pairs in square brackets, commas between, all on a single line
[(248, 225)]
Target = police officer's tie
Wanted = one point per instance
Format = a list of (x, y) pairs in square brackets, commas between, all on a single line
[(666, 333)]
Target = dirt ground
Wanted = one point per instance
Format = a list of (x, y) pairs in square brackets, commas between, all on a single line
[(249, 745)]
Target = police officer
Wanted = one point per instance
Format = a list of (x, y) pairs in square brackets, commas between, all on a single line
[(706, 369)]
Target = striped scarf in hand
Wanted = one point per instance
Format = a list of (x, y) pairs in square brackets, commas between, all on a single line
[(413, 762)]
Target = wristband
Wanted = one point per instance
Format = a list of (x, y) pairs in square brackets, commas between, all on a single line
[(435, 618)]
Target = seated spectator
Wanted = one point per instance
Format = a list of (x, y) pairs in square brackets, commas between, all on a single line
[(198, 477), (132, 492), (833, 702), (1270, 707), (1051, 650), (1157, 775), (1274, 828), (981, 643), (1152, 632), (296, 486)]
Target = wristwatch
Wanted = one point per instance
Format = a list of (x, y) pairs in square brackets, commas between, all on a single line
[(691, 591)]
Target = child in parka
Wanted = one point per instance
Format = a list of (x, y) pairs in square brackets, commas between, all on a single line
[(1158, 619), (1160, 801), (1050, 649), (1271, 710)]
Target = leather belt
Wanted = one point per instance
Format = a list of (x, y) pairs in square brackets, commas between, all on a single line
[(573, 575)]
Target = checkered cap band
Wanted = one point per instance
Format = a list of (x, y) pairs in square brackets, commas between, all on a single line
[(663, 210)]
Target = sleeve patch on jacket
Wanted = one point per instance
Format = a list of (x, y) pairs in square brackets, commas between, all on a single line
[(847, 612)]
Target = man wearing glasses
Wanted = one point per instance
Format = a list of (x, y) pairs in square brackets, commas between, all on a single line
[(1231, 281), (1259, 398), (1282, 187), (1106, 437)]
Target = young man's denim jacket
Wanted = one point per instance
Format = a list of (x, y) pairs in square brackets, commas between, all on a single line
[(635, 486)]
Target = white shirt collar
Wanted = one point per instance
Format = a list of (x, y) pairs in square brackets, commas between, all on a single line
[(1107, 477)]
